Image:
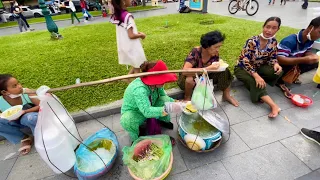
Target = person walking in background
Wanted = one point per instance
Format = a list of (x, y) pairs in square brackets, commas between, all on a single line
[(15, 4), (272, 2), (305, 4), (284, 2), (130, 50), (17, 14), (73, 12), (84, 7)]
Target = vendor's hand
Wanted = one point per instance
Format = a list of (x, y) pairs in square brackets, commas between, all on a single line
[(173, 107), (142, 35), (313, 58), (260, 83), (277, 69), (214, 66)]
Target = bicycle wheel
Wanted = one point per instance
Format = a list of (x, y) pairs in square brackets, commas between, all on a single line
[(252, 8), (233, 8)]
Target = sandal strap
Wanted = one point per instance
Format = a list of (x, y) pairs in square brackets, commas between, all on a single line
[(26, 139)]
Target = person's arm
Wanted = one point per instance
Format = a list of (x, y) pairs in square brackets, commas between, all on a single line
[(191, 60), (246, 58), (284, 55), (273, 55), (142, 101), (34, 101), (164, 95), (131, 34)]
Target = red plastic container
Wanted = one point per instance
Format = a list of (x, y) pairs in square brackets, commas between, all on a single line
[(305, 104)]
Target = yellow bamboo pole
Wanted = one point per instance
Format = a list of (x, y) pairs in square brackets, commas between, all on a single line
[(108, 80)]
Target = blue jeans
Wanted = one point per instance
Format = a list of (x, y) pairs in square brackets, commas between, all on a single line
[(11, 129), (85, 11)]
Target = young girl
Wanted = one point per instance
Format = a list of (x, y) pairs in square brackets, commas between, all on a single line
[(12, 95), (130, 51)]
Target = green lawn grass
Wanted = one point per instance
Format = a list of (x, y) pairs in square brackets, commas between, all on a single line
[(79, 14), (90, 53)]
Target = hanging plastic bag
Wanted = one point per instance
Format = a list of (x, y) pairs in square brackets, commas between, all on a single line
[(203, 96), (217, 121), (85, 14), (54, 134), (149, 156), (97, 156)]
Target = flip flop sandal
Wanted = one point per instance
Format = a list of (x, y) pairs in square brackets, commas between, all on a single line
[(286, 91), (25, 147)]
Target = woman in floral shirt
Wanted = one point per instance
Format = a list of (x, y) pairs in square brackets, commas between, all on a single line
[(207, 57), (258, 65)]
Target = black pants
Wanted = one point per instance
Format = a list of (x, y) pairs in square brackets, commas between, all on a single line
[(25, 20), (305, 4), (303, 68)]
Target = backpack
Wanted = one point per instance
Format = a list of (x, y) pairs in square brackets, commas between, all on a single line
[(185, 9)]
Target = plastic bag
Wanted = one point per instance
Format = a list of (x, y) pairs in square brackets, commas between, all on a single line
[(53, 140), (149, 156), (89, 165), (217, 121), (85, 14), (203, 96)]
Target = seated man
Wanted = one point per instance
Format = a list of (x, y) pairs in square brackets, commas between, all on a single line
[(296, 50)]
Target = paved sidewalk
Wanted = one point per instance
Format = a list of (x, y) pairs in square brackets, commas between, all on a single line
[(259, 148)]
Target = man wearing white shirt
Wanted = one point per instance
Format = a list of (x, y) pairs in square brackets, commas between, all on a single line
[(73, 11)]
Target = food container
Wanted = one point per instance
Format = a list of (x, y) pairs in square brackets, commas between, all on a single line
[(12, 113), (200, 131), (301, 100)]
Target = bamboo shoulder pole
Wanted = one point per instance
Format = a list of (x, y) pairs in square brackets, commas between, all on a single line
[(104, 81)]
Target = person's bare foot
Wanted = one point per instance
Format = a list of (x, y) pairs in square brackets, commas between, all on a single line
[(231, 100), (26, 145), (274, 111)]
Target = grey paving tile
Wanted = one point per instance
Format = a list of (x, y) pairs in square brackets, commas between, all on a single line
[(214, 171), (304, 117), (235, 114), (7, 148), (116, 123), (306, 150), (88, 128), (6, 167), (178, 163), (271, 162), (67, 176), (315, 175), (255, 110), (123, 139), (262, 131), (30, 167), (234, 146), (319, 170)]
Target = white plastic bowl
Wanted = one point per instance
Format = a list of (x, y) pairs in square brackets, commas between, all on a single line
[(223, 68), (14, 116)]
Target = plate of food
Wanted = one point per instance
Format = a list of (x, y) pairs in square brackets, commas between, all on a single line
[(12, 113), (223, 65)]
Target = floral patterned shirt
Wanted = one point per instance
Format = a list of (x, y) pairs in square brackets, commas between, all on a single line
[(195, 58), (252, 57)]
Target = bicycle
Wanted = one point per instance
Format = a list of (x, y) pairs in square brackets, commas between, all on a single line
[(235, 6)]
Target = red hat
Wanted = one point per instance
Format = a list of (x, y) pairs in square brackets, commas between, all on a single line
[(159, 79)]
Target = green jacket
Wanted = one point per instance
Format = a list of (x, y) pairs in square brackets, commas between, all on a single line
[(136, 98)]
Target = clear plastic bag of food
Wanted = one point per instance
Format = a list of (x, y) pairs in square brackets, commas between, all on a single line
[(149, 156)]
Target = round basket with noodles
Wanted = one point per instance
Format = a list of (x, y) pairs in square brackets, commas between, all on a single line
[(197, 134), (12, 113), (143, 146)]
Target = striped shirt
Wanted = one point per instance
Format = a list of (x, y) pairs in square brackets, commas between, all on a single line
[(293, 46)]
